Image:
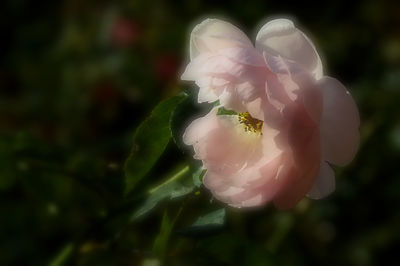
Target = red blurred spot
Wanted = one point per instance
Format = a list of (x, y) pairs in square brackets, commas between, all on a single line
[(104, 94), (125, 32), (166, 67)]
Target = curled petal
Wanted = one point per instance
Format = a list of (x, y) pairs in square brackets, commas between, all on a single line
[(339, 123), (281, 37), (214, 34)]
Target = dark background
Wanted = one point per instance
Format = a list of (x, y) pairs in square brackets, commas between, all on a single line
[(76, 79)]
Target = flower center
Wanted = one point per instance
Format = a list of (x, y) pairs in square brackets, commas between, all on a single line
[(250, 124)]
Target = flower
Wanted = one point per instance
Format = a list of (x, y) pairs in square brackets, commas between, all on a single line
[(291, 121)]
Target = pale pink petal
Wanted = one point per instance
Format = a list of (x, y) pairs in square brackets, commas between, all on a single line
[(221, 65), (230, 100), (270, 148), (262, 189), (244, 55), (281, 37), (213, 183), (192, 69), (219, 82), (213, 34), (242, 196), (230, 81), (225, 150), (255, 108), (291, 82), (256, 200), (247, 91), (212, 64), (276, 63), (339, 123), (258, 174), (207, 94), (268, 171), (231, 191), (324, 183), (281, 89), (200, 127), (242, 97)]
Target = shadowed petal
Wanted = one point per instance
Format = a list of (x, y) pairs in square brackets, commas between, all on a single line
[(339, 123)]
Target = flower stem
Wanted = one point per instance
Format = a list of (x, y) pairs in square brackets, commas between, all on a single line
[(176, 176)]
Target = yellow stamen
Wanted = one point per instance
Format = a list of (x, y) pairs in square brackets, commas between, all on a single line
[(250, 124)]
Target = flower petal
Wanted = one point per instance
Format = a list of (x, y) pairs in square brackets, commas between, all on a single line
[(200, 127), (324, 183), (295, 186), (214, 34), (302, 165), (244, 55), (312, 100), (253, 195), (339, 123), (281, 37)]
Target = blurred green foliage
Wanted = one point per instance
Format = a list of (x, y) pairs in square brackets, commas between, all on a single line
[(77, 78), (149, 141)]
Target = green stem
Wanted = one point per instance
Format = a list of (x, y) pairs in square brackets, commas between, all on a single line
[(63, 255), (176, 176)]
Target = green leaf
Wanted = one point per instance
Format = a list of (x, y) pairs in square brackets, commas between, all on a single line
[(184, 113), (150, 141), (205, 225), (171, 189), (215, 218), (198, 176), (223, 111)]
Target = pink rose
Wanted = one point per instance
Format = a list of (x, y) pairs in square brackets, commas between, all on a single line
[(291, 119)]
